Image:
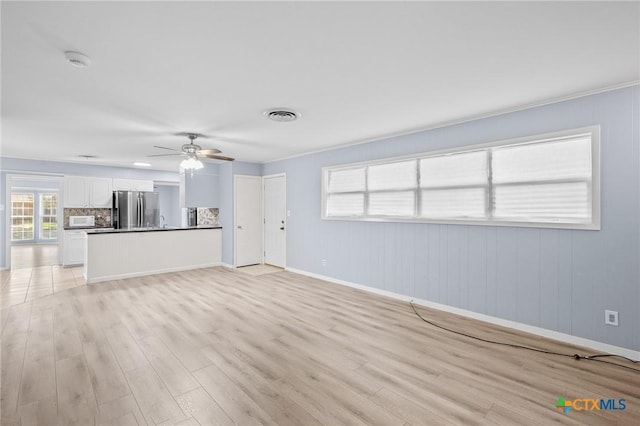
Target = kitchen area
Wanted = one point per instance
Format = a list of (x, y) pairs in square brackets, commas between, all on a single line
[(117, 228)]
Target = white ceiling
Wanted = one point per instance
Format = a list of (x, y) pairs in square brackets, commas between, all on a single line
[(355, 71)]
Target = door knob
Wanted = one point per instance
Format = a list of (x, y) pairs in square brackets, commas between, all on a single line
[(282, 228), (239, 227)]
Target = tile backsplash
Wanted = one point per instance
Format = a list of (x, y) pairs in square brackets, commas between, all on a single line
[(208, 216), (103, 216)]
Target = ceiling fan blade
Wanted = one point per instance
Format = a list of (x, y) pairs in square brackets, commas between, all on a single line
[(209, 151), (164, 155), (164, 147), (218, 157)]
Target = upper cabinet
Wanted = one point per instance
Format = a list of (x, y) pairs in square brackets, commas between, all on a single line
[(132, 185), (100, 193), (75, 191), (80, 191)]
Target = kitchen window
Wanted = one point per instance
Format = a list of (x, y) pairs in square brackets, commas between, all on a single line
[(549, 181)]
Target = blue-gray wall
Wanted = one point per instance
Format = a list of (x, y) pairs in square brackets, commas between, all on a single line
[(561, 280), (202, 188), (169, 203)]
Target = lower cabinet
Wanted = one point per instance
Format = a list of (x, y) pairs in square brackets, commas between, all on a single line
[(74, 247)]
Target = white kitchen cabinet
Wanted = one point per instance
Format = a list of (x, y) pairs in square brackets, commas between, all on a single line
[(74, 247), (75, 191), (132, 185), (87, 192), (100, 192)]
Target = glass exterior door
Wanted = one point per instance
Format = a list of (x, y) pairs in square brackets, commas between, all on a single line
[(22, 207), (48, 216)]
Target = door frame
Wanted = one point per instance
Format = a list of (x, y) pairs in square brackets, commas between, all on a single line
[(17, 175), (286, 227), (235, 213)]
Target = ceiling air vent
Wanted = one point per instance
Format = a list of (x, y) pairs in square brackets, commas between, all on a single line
[(77, 59), (281, 115)]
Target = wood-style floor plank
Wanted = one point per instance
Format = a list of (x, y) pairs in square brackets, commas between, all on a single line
[(219, 346)]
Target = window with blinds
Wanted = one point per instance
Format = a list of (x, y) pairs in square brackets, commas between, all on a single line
[(546, 181)]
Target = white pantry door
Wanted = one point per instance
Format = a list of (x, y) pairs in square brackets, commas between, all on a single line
[(275, 206), (248, 220)]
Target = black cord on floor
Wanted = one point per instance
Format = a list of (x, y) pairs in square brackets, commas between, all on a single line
[(511, 345)]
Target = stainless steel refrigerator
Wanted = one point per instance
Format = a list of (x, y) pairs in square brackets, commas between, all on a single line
[(135, 209)]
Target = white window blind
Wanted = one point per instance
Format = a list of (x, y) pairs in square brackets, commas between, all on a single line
[(543, 182), (549, 181), (556, 202), (392, 176), (348, 180), (345, 204), (398, 203), (392, 188), (464, 169), (453, 203), (454, 186), (346, 189)]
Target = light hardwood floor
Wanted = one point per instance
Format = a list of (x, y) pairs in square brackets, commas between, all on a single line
[(217, 346)]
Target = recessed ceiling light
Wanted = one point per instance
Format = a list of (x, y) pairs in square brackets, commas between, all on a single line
[(281, 115), (77, 59), (142, 164)]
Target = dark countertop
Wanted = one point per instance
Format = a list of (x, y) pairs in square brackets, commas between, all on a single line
[(95, 231), (83, 228)]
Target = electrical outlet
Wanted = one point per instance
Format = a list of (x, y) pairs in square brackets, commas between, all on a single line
[(324, 262), (611, 317)]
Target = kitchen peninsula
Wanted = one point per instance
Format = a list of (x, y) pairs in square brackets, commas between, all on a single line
[(124, 253)]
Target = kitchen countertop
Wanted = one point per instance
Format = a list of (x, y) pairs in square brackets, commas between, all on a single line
[(84, 228), (95, 231)]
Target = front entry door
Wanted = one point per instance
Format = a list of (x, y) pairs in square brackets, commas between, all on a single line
[(275, 205)]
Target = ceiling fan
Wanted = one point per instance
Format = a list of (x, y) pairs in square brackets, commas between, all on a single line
[(193, 153)]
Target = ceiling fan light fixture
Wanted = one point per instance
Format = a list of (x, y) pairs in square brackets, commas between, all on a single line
[(191, 163)]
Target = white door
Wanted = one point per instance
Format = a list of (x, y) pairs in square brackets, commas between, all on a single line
[(275, 206), (248, 220)]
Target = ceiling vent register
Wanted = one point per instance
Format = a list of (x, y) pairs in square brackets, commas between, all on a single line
[(282, 115)]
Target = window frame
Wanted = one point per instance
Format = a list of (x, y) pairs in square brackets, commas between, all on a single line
[(23, 216), (42, 216), (595, 224)]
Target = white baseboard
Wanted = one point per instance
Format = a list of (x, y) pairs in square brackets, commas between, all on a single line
[(555, 335), (155, 272), (226, 265)]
